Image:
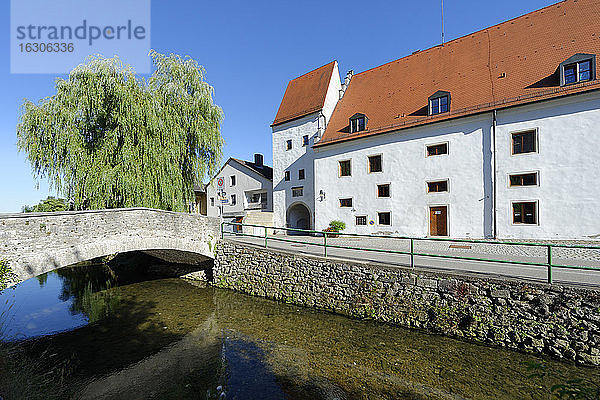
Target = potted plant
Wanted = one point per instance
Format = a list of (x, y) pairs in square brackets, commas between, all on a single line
[(335, 227)]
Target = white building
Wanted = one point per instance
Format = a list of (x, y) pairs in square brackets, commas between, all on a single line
[(246, 192), (495, 134), (303, 114)]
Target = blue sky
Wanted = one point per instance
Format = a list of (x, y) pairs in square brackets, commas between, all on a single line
[(251, 50)]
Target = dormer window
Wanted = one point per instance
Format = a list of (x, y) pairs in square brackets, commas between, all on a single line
[(358, 122), (439, 102), (578, 68)]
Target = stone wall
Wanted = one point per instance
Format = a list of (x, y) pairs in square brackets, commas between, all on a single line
[(40, 242), (559, 321)]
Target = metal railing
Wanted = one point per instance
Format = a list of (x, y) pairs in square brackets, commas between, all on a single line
[(549, 264)]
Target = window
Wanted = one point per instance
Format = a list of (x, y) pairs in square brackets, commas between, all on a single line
[(345, 168), (298, 191), (258, 198), (529, 179), (300, 174), (233, 200), (361, 220), (437, 149), (437, 186), (286, 176), (288, 145), (358, 122), (305, 140), (375, 164), (212, 201), (525, 213), (232, 180), (578, 68), (439, 105), (346, 202), (383, 190), (384, 218), (524, 142)]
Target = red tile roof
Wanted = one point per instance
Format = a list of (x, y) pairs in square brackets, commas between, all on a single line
[(515, 62), (305, 94)]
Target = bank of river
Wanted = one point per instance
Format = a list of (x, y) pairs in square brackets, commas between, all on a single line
[(87, 332)]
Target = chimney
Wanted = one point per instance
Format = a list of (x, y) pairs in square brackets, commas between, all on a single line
[(346, 83), (258, 160)]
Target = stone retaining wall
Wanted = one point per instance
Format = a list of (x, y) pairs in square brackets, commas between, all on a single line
[(559, 321)]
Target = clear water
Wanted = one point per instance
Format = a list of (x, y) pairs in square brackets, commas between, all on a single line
[(92, 332)]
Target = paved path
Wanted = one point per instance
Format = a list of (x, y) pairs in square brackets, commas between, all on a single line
[(579, 257)]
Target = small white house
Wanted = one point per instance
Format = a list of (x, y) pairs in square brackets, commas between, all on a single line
[(242, 192), (494, 134)]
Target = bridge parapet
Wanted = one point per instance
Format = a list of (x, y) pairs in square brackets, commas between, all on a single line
[(35, 243)]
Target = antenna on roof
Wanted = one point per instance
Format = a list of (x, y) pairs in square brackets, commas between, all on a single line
[(442, 23)]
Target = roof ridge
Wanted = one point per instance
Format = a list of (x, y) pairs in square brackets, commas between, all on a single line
[(464, 36), (324, 65)]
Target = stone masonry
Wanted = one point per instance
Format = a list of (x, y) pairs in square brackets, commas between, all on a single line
[(563, 322), (40, 242)]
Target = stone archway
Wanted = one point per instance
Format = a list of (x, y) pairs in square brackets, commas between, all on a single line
[(298, 217)]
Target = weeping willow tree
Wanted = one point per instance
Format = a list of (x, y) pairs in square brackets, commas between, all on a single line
[(109, 138)]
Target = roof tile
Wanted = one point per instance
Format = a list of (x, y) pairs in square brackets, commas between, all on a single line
[(511, 63), (305, 94)]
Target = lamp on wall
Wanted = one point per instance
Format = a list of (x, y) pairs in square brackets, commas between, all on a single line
[(321, 195)]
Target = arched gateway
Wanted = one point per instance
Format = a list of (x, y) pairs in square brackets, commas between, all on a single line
[(298, 217)]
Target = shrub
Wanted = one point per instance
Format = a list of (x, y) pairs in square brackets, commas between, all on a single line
[(4, 273), (336, 226)]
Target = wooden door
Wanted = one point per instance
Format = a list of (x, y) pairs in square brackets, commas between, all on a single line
[(438, 221)]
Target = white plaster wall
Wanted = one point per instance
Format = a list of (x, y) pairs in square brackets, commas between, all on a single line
[(299, 157), (246, 180), (332, 97), (568, 162), (467, 166)]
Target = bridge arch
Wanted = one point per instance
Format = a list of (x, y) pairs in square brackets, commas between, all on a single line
[(41, 242)]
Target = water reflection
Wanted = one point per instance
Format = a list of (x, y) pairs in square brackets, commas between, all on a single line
[(170, 339)]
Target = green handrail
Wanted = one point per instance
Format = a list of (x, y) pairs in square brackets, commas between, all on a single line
[(549, 247)]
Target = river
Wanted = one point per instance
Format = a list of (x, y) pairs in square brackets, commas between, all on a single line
[(112, 332)]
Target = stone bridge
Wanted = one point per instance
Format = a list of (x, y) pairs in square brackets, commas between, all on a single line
[(41, 242)]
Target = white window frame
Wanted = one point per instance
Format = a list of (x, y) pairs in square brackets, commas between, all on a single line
[(345, 198), (537, 212), (377, 190), (437, 144), (296, 188), (369, 163), (391, 218), (366, 217), (437, 180), (439, 105), (537, 141), (339, 168), (509, 186)]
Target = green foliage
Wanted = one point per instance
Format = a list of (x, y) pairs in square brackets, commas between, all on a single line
[(572, 389), (109, 138), (5, 271), (51, 204), (337, 226)]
